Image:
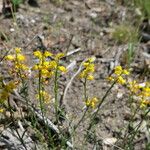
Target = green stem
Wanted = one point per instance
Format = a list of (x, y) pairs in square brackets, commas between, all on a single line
[(85, 90), (129, 124), (40, 95), (85, 98), (99, 105), (81, 119), (135, 130), (13, 14), (56, 92)]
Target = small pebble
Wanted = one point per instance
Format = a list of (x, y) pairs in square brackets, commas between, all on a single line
[(12, 29), (33, 21)]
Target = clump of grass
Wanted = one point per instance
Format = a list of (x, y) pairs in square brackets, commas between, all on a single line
[(16, 4), (128, 55), (124, 33), (144, 6)]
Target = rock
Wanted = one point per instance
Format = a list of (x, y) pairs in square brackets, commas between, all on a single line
[(92, 15), (9, 139), (33, 21), (12, 29), (119, 95), (109, 141), (127, 114), (145, 37), (20, 16)]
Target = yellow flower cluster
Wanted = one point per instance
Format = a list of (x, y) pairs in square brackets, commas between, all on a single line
[(119, 75), (91, 102), (47, 67), (142, 91), (88, 70), (44, 96), (5, 90), (17, 60), (144, 95), (134, 87)]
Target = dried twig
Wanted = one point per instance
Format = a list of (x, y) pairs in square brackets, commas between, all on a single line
[(69, 43), (36, 36), (63, 98), (72, 52)]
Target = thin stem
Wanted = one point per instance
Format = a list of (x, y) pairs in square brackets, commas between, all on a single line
[(85, 90), (136, 128), (99, 105), (131, 120), (41, 99), (40, 95), (85, 98), (14, 15), (81, 119), (56, 92)]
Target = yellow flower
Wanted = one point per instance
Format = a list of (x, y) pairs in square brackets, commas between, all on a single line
[(110, 78), (24, 67), (44, 96), (126, 72), (118, 70), (17, 61), (10, 86), (7, 89), (89, 68), (21, 68), (92, 102), (146, 90), (92, 59), (133, 86), (144, 103), (18, 50), (89, 61), (52, 64), (59, 56), (121, 80), (3, 96), (47, 54), (85, 64), (10, 57), (82, 75), (20, 57), (50, 74), (35, 67), (90, 77), (37, 54), (44, 72), (62, 69), (46, 64), (118, 75)]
